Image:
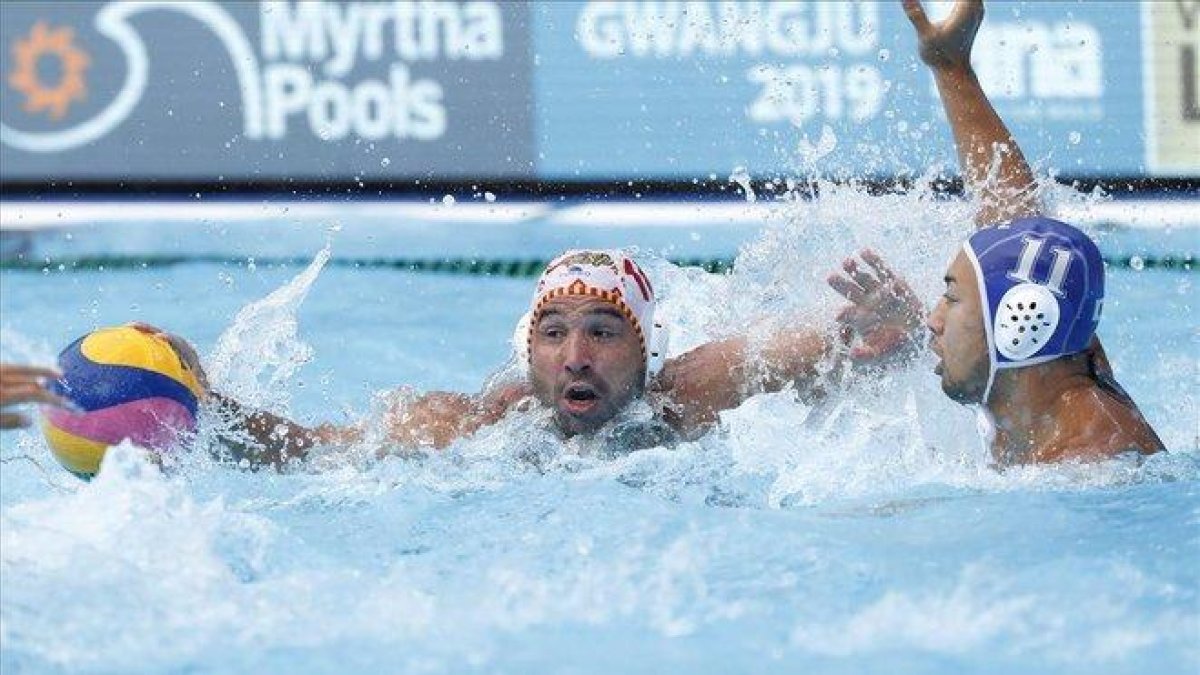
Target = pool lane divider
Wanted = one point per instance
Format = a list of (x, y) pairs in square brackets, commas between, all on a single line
[(515, 268)]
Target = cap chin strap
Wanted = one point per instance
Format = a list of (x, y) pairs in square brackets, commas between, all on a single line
[(656, 352), (985, 425), (981, 286)]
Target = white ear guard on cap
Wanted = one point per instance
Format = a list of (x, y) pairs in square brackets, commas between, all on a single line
[(1025, 319)]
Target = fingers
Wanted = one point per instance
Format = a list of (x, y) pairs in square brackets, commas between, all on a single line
[(967, 11), (878, 345), (181, 347), (866, 281), (884, 272), (17, 371), (857, 319), (916, 14), (847, 288), (188, 357), (24, 384), (13, 421), (31, 392)]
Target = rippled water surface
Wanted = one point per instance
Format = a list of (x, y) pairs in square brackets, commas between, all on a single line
[(862, 535)]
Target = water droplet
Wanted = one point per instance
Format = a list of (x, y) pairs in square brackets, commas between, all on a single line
[(885, 54), (1137, 263), (449, 200), (1074, 137), (489, 197)]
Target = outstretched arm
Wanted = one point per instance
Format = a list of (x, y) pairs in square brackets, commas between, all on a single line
[(882, 325), (432, 420), (993, 167), (695, 387)]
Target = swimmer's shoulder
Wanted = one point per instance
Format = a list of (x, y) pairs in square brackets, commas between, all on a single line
[(1098, 425)]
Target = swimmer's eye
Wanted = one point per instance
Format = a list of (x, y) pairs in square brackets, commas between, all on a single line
[(604, 333), (949, 298), (553, 332)]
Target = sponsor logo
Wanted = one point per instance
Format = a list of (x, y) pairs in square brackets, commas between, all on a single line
[(57, 45), (334, 70)]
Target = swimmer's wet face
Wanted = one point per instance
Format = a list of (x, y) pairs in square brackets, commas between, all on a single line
[(958, 338), (586, 362)]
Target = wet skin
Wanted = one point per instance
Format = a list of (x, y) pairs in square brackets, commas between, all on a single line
[(958, 337), (586, 362)]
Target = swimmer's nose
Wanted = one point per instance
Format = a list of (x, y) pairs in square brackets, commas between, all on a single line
[(935, 321), (578, 354)]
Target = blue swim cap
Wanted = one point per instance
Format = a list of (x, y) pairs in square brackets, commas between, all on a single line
[(1042, 286)]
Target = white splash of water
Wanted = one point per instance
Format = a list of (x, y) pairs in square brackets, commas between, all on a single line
[(17, 347), (261, 350), (810, 153), (742, 178)]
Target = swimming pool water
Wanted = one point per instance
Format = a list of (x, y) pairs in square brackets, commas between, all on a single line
[(861, 535)]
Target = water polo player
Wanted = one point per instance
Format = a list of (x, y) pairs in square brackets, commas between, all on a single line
[(1015, 329), (589, 350)]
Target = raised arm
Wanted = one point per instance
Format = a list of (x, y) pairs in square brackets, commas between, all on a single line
[(993, 167)]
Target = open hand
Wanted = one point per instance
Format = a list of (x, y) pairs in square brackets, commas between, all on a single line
[(24, 384), (884, 313), (946, 44)]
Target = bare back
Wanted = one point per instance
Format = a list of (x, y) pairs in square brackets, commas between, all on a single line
[(1098, 422)]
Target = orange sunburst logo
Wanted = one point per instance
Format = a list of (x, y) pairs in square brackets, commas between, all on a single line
[(45, 42)]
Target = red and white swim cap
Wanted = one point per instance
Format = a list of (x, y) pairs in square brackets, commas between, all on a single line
[(605, 275)]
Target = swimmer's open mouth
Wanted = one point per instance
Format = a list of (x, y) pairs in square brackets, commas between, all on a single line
[(580, 397)]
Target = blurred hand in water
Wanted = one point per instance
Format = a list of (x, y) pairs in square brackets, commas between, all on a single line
[(187, 353), (884, 321), (25, 384)]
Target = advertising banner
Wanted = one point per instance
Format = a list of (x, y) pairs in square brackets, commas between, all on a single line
[(1172, 61), (274, 90), (657, 88)]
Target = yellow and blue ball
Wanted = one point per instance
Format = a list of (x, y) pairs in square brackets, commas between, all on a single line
[(127, 385)]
